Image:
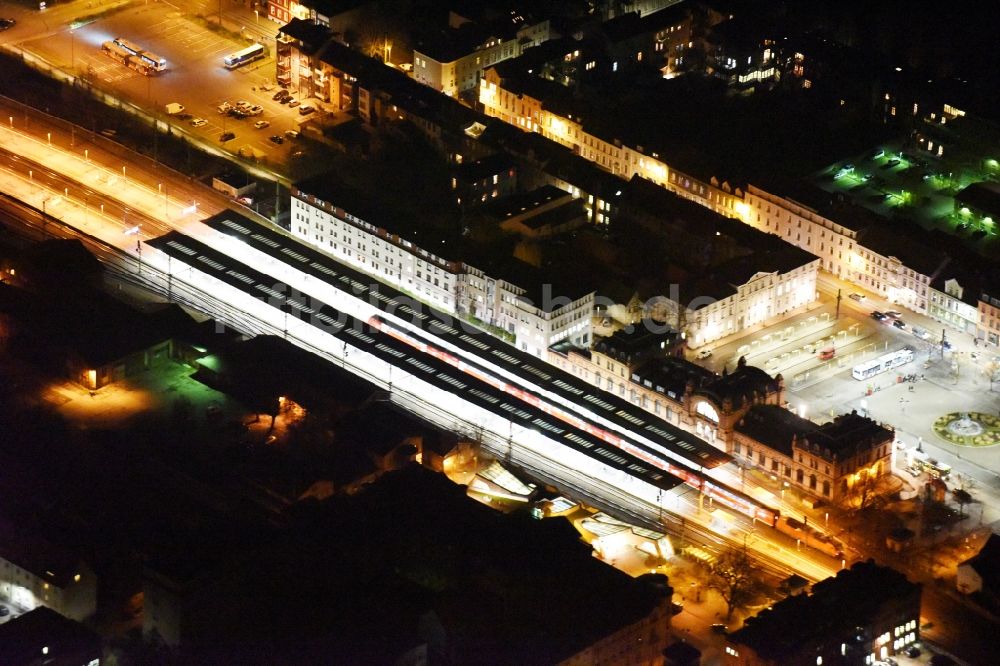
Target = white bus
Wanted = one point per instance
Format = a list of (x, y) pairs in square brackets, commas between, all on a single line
[(921, 462), (882, 364), (240, 58), (130, 54)]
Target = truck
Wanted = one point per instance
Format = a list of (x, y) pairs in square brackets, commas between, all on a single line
[(174, 108)]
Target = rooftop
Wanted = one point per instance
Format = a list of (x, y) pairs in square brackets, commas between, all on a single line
[(776, 427), (52, 563), (409, 551), (982, 195), (640, 340), (833, 611), (63, 642), (487, 167)]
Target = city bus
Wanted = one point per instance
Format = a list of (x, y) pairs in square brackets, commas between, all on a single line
[(921, 462), (882, 364), (240, 58), (130, 54)]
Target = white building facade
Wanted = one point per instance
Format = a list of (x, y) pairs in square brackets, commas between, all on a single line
[(532, 322), (455, 76), (72, 593)]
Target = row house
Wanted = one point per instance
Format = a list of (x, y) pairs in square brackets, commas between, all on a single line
[(988, 323), (850, 242), (536, 105), (897, 268), (832, 241), (731, 277), (953, 303), (527, 308)]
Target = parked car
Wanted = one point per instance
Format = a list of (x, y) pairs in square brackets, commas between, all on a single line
[(898, 323), (4, 611), (110, 133), (293, 103), (261, 124), (878, 316), (297, 154), (276, 138), (894, 314), (198, 122), (225, 107), (255, 110), (7, 23), (278, 95), (226, 136), (704, 353), (719, 628), (857, 297), (292, 134), (305, 110), (913, 652)]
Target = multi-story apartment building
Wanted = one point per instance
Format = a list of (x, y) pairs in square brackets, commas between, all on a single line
[(877, 616), (453, 60), (742, 52), (954, 303), (850, 242), (476, 183), (988, 324), (536, 105), (35, 572), (532, 310), (838, 461), (734, 277)]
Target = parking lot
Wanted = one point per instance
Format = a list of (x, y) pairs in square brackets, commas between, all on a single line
[(195, 77)]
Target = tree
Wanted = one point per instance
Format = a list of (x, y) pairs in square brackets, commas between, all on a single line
[(961, 497), (864, 488), (734, 578)]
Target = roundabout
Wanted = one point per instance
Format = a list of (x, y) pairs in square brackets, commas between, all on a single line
[(973, 429)]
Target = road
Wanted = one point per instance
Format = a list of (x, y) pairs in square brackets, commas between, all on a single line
[(194, 54)]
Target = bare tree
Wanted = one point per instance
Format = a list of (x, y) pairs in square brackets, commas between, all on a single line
[(734, 578), (962, 497), (864, 489)]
